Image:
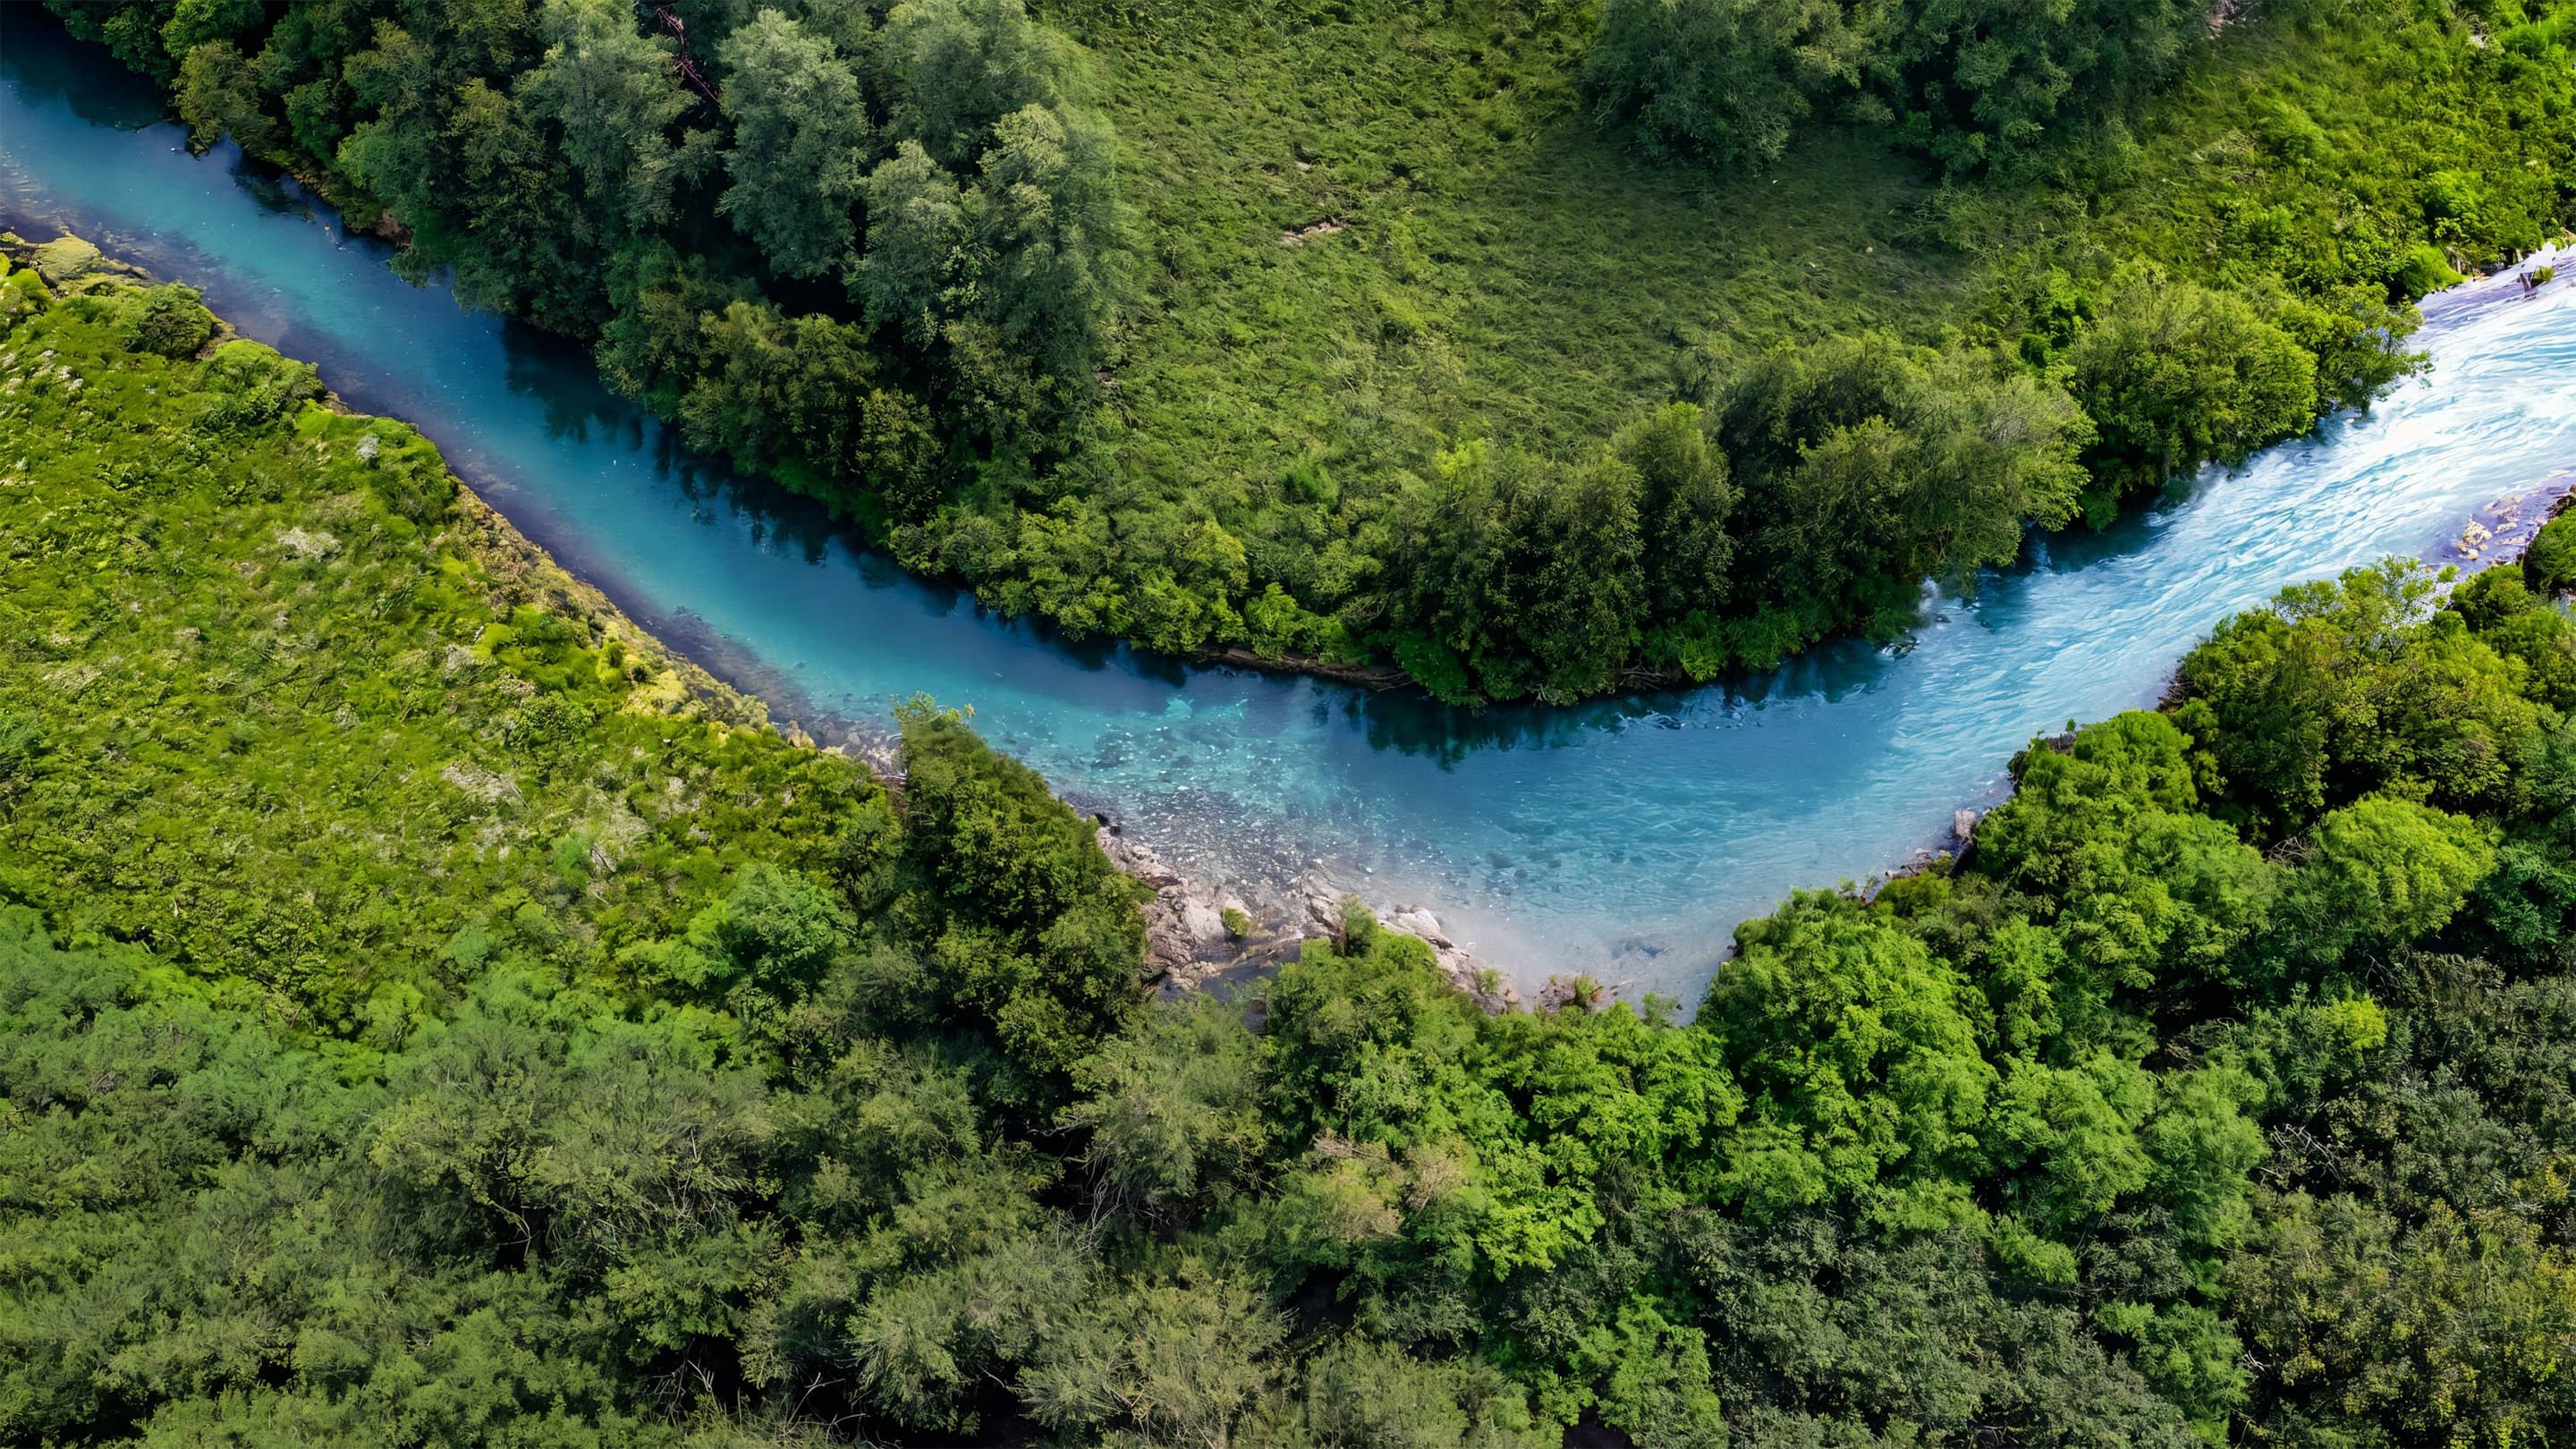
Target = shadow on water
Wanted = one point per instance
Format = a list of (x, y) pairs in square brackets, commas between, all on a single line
[(43, 62)]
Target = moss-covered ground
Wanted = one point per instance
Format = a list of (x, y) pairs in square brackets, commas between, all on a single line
[(283, 703), (1503, 268)]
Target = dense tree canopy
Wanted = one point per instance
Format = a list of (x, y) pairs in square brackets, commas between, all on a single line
[(585, 165), (2175, 376), (1967, 82), (1723, 79), (800, 133)]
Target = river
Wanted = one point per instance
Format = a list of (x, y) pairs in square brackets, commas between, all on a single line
[(1624, 838)]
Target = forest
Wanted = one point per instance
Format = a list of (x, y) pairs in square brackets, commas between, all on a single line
[(433, 1014), (1353, 333)]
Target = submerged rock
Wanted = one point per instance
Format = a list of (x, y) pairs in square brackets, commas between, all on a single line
[(64, 258), (1189, 945), (1419, 922), (1561, 992)]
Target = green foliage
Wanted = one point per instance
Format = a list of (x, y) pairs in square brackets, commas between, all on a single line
[(467, 766), (2525, 628), (607, 88), (2445, 1332), (1044, 228), (1969, 82), (1177, 1362), (1173, 1113), (1534, 577), (2381, 870), (1858, 1052), (1361, 1393), (169, 321), (962, 66), (218, 95), (2148, 899), (915, 243), (1722, 79), (2071, 1133), (1438, 1142), (2344, 687), (774, 935), (1979, 82), (800, 132), (1871, 466), (2175, 376), (1858, 468), (1029, 931), (1654, 1381), (531, 1214), (2550, 565)]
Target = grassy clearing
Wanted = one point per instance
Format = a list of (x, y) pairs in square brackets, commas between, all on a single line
[(1503, 267), (281, 703), (1506, 270)]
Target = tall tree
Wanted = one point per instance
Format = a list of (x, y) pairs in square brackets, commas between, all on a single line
[(613, 93), (916, 242), (800, 144), (960, 66)]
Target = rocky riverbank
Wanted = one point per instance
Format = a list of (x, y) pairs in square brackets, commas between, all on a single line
[(1202, 936), (2502, 531)]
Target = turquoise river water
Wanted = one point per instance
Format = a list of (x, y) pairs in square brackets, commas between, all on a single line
[(1624, 838)]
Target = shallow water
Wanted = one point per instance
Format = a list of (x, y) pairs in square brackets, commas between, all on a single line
[(1625, 838)]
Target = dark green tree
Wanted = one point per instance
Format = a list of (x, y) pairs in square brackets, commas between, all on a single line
[(801, 144)]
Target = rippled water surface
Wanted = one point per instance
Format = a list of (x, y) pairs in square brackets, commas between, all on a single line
[(1624, 838)]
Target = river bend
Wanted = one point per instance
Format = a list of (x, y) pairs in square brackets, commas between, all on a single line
[(1625, 837)]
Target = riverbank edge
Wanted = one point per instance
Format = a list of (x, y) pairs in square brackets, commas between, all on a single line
[(1195, 940), (1201, 934), (327, 186), (679, 685), (1636, 679)]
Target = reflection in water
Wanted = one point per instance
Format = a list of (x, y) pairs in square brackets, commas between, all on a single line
[(1623, 837), (46, 68)]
